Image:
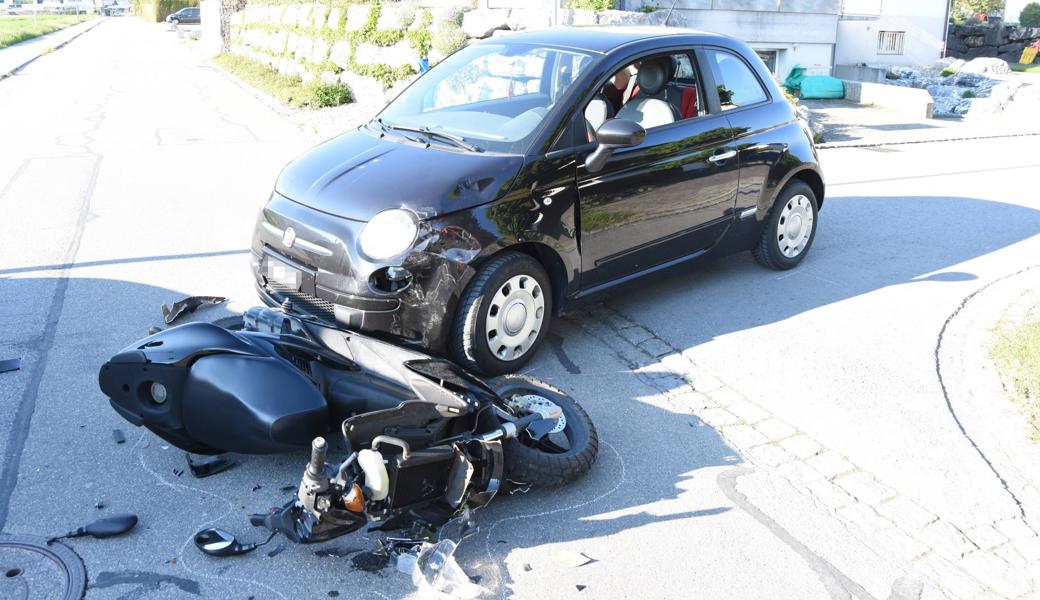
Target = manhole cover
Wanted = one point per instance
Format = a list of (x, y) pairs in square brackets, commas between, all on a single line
[(29, 568)]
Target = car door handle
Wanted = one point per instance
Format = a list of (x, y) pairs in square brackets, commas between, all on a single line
[(722, 156)]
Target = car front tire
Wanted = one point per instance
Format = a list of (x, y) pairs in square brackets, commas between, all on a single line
[(503, 316), (790, 228)]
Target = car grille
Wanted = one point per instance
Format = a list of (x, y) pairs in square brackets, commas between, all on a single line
[(312, 305)]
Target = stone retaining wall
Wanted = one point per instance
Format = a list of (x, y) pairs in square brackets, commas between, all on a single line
[(375, 47), (999, 41)]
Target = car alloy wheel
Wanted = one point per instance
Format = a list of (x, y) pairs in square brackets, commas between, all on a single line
[(514, 317), (795, 226)]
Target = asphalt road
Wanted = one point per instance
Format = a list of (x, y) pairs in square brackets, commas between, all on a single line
[(130, 174)]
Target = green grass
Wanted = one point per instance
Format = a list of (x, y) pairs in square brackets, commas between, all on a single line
[(290, 90), (1025, 68), (19, 29), (1017, 355)]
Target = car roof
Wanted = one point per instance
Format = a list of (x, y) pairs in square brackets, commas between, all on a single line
[(603, 40)]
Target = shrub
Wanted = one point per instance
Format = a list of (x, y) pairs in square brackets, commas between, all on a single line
[(290, 90), (448, 37), (1030, 15), (947, 72), (318, 95), (593, 4), (968, 94)]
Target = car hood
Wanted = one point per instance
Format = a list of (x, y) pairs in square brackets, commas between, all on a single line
[(358, 174)]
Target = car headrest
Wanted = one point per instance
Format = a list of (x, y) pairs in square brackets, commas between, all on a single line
[(652, 77)]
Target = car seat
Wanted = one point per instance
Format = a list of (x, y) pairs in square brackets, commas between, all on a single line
[(650, 105), (598, 111)]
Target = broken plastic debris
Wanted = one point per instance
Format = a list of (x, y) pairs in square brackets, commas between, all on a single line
[(11, 364), (210, 465), (571, 559), (117, 435), (436, 573), (277, 550), (580, 587), (188, 305)]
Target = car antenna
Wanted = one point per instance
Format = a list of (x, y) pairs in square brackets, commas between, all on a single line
[(669, 15)]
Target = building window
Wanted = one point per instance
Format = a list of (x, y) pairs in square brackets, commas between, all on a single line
[(769, 58), (891, 42)]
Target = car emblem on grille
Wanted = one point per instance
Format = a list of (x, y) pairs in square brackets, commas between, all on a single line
[(288, 237)]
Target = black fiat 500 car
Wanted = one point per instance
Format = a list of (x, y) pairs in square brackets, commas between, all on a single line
[(528, 172)]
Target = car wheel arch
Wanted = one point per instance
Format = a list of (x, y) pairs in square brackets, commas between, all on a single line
[(806, 172), (546, 256)]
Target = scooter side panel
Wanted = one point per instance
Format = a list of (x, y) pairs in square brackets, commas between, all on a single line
[(251, 404)]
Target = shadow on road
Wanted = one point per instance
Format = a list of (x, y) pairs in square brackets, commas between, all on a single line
[(863, 244), (651, 455)]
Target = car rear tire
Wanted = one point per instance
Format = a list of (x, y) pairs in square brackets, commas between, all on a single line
[(790, 228), (503, 315)]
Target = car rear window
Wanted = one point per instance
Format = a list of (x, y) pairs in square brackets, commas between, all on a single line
[(736, 82)]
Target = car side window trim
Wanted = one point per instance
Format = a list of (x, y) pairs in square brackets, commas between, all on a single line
[(713, 93)]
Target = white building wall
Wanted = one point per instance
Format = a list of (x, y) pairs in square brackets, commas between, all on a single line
[(801, 32), (923, 22)]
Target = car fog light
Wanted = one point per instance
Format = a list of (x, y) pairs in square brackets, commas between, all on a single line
[(158, 392), (391, 279)]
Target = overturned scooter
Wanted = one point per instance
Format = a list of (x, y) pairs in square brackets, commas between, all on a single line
[(422, 437)]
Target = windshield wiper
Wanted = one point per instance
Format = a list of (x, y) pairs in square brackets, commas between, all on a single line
[(457, 140)]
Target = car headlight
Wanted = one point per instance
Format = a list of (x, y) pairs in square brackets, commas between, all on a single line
[(388, 234)]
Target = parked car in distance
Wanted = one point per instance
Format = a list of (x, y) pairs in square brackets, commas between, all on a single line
[(188, 16), (525, 174)]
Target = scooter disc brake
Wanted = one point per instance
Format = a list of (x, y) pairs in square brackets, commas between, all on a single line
[(527, 403)]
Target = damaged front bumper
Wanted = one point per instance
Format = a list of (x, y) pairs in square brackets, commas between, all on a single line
[(310, 258)]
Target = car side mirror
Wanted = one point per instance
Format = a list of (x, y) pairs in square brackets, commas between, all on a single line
[(613, 133)]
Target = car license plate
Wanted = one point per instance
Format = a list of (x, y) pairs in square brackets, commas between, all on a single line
[(283, 274)]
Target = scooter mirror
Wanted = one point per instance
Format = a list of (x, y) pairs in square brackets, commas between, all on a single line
[(217, 542), (102, 528), (110, 526)]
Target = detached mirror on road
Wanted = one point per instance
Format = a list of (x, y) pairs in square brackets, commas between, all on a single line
[(613, 133), (217, 542), (102, 528)]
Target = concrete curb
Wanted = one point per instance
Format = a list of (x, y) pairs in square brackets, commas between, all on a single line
[(914, 102), (993, 423), (46, 49), (839, 145)]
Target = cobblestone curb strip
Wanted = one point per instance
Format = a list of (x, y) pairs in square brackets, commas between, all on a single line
[(963, 560)]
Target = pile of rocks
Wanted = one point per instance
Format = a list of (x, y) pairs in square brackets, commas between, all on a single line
[(969, 88), (994, 41)]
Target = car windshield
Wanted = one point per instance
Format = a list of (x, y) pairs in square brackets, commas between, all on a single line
[(487, 97)]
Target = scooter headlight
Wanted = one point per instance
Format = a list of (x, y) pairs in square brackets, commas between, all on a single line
[(388, 234)]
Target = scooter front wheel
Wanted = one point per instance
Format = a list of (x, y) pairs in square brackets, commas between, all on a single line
[(558, 458)]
